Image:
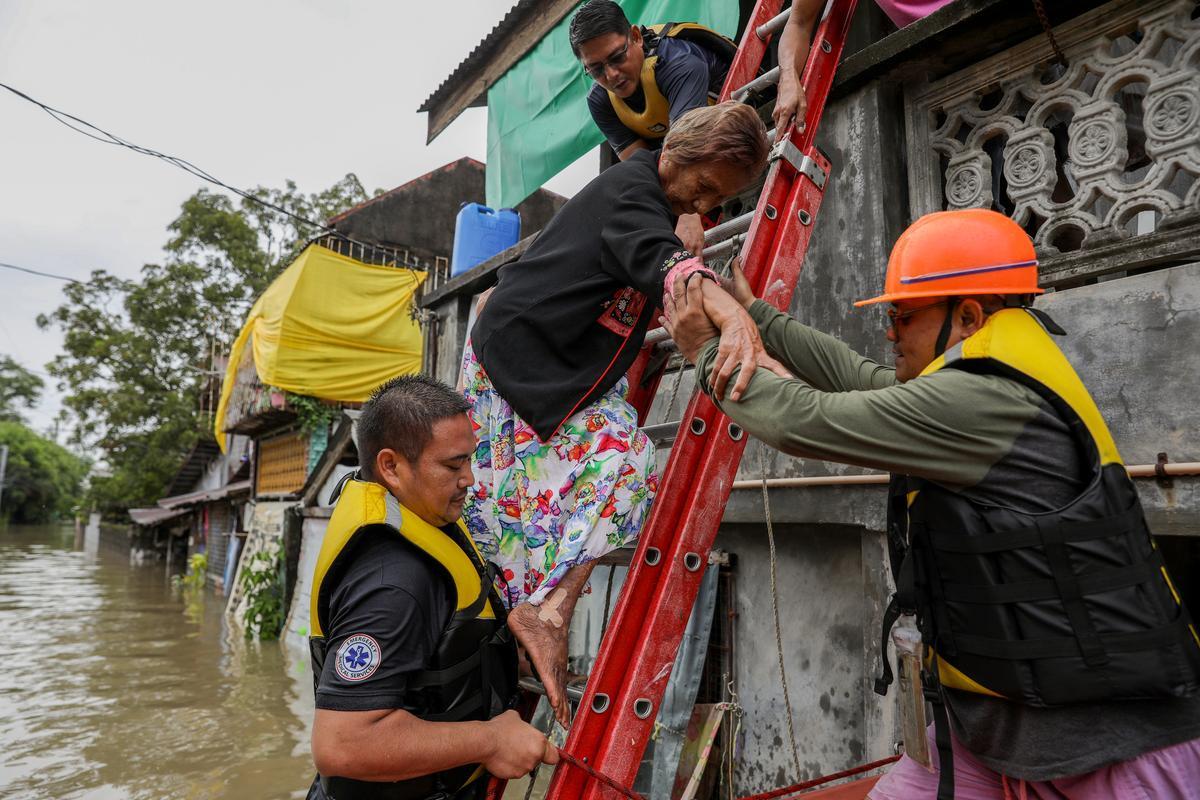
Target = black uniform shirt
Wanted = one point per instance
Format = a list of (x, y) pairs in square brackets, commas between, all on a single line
[(386, 613)]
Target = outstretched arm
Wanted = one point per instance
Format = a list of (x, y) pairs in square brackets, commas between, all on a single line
[(794, 44), (816, 358)]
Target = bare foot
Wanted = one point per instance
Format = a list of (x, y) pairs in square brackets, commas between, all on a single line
[(546, 646), (542, 631)]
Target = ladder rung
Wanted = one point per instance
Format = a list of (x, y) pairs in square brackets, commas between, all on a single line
[(657, 336), (769, 78), (530, 684), (774, 24), (663, 433), (729, 228), (721, 248)]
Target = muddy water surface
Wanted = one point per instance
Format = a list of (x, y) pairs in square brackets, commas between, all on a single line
[(114, 685)]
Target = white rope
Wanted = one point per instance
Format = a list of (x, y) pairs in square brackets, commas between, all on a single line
[(787, 698)]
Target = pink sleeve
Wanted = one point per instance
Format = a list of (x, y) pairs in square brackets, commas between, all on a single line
[(681, 270)]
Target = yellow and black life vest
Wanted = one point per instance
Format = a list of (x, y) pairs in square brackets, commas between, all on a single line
[(1046, 609), (653, 121), (1020, 605), (473, 672)]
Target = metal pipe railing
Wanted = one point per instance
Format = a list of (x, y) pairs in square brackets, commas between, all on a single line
[(774, 24), (769, 78), (732, 227), (1135, 471)]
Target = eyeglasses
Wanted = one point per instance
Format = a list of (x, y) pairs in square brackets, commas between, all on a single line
[(615, 60), (896, 316)]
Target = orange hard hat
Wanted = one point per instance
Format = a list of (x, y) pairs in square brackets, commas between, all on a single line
[(972, 251)]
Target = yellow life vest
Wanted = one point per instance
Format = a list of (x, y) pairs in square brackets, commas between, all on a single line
[(362, 503), (654, 119)]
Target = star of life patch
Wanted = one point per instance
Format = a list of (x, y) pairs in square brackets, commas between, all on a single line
[(357, 658)]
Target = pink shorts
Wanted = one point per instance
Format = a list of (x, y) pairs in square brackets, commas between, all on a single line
[(1172, 773)]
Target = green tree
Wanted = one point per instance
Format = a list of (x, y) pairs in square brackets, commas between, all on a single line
[(42, 480), (19, 389), (136, 358)]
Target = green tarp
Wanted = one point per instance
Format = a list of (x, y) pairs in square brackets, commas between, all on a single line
[(538, 122)]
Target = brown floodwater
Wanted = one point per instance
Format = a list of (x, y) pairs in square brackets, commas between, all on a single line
[(115, 685)]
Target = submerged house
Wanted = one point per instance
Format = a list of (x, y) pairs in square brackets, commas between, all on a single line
[(202, 509), (1096, 154)]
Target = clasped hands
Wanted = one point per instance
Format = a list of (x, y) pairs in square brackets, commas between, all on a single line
[(698, 311)]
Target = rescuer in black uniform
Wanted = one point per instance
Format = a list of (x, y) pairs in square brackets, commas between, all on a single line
[(414, 669)]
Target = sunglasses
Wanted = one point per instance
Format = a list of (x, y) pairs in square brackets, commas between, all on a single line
[(896, 316), (615, 60)]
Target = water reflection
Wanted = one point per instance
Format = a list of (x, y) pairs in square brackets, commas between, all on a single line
[(116, 686)]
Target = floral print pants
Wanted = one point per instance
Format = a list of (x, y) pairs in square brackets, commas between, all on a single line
[(539, 508)]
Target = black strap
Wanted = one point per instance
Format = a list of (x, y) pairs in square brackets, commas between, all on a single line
[(463, 711), (1067, 646), (890, 615), (903, 601), (941, 737), (1071, 595), (472, 611), (1000, 541), (1030, 591), (1049, 324), (947, 325), (427, 678), (341, 484)]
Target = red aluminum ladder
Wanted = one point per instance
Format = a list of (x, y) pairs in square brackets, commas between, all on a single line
[(616, 715), (619, 706)]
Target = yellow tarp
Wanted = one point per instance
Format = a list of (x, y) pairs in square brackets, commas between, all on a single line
[(329, 327)]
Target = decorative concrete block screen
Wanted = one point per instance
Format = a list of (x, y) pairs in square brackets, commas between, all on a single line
[(1087, 159)]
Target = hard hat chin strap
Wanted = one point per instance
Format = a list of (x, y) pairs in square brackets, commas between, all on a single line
[(947, 326)]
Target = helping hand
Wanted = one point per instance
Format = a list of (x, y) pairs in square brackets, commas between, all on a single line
[(740, 347), (791, 104), (518, 747), (690, 231)]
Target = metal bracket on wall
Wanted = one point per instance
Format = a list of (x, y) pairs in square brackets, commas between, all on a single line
[(1160, 472)]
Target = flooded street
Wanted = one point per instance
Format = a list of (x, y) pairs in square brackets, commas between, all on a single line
[(117, 686)]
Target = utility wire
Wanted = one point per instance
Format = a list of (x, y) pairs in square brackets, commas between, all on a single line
[(93, 132), (42, 274)]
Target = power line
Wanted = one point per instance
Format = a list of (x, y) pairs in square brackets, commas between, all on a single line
[(99, 134), (38, 272)]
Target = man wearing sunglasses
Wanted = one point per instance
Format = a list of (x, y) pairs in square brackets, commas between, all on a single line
[(1058, 656), (645, 78)]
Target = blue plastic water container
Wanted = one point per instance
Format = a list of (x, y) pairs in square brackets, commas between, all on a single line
[(481, 232)]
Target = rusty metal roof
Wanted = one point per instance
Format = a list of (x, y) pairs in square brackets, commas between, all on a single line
[(483, 51)]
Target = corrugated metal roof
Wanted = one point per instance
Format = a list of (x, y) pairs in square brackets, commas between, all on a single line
[(483, 51), (204, 495), (153, 516)]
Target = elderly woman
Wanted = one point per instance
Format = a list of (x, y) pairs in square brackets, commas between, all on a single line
[(563, 473)]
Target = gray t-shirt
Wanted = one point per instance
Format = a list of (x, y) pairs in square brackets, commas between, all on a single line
[(986, 437)]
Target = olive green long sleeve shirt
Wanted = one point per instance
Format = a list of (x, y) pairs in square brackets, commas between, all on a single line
[(951, 427)]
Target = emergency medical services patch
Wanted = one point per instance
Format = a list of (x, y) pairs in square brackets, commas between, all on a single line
[(357, 658)]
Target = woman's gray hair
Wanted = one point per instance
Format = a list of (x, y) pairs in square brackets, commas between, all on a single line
[(731, 132)]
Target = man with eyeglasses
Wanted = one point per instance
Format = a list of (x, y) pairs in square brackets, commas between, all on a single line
[(1057, 654), (647, 77)]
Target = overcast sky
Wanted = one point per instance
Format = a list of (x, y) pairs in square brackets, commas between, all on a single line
[(253, 91)]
